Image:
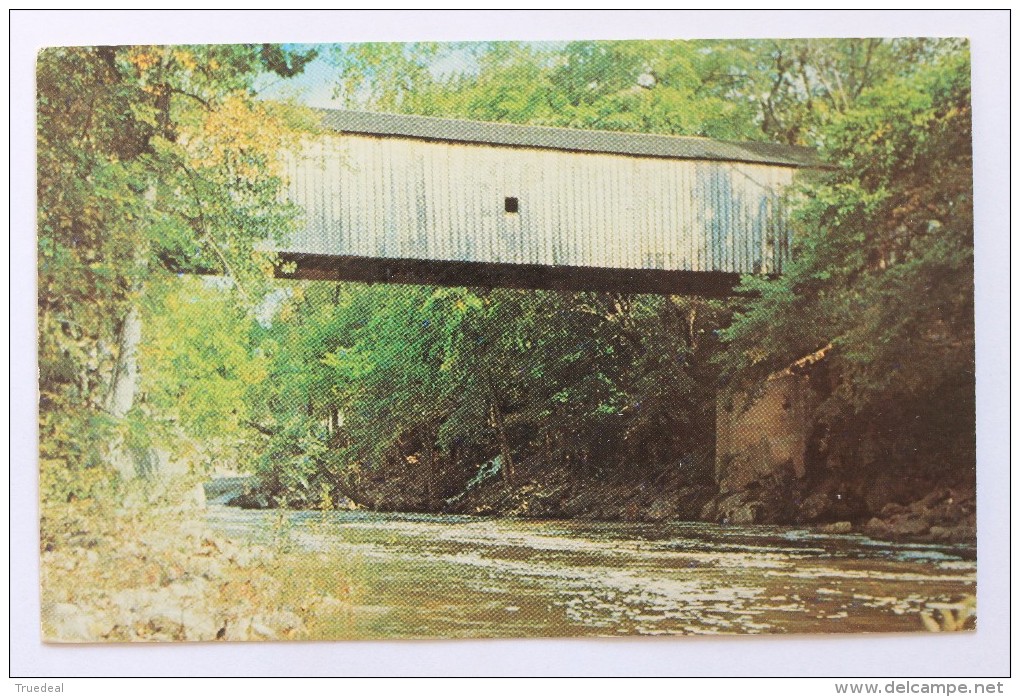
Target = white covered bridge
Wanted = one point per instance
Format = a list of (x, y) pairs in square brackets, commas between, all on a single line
[(411, 199)]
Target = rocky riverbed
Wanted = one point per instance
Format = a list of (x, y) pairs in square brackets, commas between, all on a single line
[(149, 569)]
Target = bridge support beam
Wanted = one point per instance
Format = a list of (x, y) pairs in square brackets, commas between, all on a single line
[(322, 267)]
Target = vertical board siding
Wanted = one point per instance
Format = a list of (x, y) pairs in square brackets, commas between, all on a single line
[(401, 198)]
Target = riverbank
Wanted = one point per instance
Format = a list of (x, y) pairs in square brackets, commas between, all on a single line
[(159, 568), (883, 506), (147, 568)]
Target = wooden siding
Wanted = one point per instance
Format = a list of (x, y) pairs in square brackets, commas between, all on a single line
[(403, 198)]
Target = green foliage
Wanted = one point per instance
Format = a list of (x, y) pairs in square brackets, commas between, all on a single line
[(883, 273), (157, 160), (295, 467), (149, 159), (199, 364), (70, 462), (596, 381), (774, 90)]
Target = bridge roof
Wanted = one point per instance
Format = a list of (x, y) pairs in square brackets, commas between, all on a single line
[(577, 140)]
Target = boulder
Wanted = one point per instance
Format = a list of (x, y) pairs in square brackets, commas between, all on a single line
[(959, 533), (659, 510), (746, 514), (815, 506), (910, 525), (877, 527), (710, 509), (198, 625), (891, 509), (234, 630), (843, 526), (66, 622), (284, 621), (692, 500), (740, 508), (933, 498), (900, 526)]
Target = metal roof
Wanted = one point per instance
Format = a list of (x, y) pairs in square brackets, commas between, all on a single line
[(614, 142)]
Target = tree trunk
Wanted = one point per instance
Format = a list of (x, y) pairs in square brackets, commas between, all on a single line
[(500, 426), (124, 381), (504, 443), (120, 399), (429, 454)]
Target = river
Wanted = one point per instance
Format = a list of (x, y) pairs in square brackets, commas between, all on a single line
[(428, 576)]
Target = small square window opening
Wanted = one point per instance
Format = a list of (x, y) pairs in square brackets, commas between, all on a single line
[(511, 204)]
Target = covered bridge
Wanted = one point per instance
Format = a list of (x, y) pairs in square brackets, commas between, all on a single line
[(412, 199)]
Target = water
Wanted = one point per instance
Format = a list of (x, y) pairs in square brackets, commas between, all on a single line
[(418, 576)]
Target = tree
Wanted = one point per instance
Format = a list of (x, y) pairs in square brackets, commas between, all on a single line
[(149, 159), (883, 277), (199, 365)]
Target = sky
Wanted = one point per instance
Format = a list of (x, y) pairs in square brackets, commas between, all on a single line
[(316, 85)]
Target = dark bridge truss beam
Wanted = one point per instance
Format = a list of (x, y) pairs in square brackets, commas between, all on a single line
[(320, 267)]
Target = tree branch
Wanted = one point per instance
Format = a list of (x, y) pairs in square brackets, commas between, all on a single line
[(206, 237)]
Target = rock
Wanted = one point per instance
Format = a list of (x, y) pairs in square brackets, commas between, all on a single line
[(765, 433), (738, 509), (128, 602), (327, 603), (259, 630), (877, 527), (841, 527), (251, 500), (933, 498), (198, 625), (891, 509), (583, 502), (235, 630), (746, 514), (274, 625), (659, 510), (284, 621), (947, 514), (66, 622), (691, 501), (909, 525), (878, 494), (195, 498), (815, 506), (345, 504), (740, 516), (243, 557), (194, 530), (188, 590), (710, 510), (900, 526), (888, 489), (210, 567), (960, 533)]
